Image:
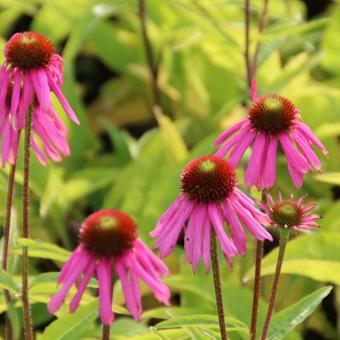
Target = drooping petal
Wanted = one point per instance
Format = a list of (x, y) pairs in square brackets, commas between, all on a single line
[(131, 294), (63, 101), (306, 149), (41, 88), (269, 170), (238, 151), (293, 156), (89, 271), (75, 271), (226, 134), (238, 235), (311, 137), (228, 248), (254, 227), (256, 161), (206, 243), (104, 272)]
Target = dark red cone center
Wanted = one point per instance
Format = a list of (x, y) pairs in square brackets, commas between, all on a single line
[(28, 50), (108, 233), (272, 113), (208, 179)]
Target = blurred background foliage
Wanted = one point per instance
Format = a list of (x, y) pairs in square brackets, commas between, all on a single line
[(126, 157)]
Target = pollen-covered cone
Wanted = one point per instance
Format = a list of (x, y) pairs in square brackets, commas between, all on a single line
[(109, 244), (209, 202), (31, 72)]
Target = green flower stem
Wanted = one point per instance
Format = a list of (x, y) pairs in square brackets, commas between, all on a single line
[(217, 285), (6, 238), (284, 236), (256, 289), (106, 333), (28, 329)]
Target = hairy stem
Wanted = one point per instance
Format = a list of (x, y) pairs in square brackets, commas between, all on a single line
[(153, 66), (262, 24), (106, 333), (256, 289), (247, 42), (284, 236), (217, 286), (28, 329), (6, 238)]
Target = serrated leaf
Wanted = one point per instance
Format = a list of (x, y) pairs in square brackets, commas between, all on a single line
[(286, 320)]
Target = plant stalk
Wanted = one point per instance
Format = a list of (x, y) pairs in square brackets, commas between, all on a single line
[(256, 289), (247, 42), (262, 24), (6, 238), (106, 333), (28, 328), (153, 66), (217, 286), (284, 236)]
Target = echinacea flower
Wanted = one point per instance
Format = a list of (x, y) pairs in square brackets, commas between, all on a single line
[(208, 200), (272, 120), (31, 71), (109, 243), (290, 213)]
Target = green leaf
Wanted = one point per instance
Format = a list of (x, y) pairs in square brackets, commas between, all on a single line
[(52, 189), (173, 141), (7, 282), (331, 177), (72, 326), (286, 320), (204, 321), (42, 250)]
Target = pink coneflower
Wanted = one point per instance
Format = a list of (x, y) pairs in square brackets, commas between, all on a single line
[(32, 70), (108, 242), (272, 120), (290, 213), (209, 199)]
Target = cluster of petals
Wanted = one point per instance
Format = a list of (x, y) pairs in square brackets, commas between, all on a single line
[(30, 89), (132, 265), (199, 220), (296, 143), (305, 220)]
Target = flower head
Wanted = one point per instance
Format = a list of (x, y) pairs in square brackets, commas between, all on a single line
[(108, 242), (31, 71), (290, 213), (209, 200), (272, 120)]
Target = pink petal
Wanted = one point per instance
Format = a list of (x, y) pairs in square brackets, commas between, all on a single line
[(132, 295), (42, 90), (293, 156), (229, 250), (89, 271), (206, 243), (269, 171), (239, 149), (253, 90), (238, 235), (256, 161), (104, 272), (309, 135), (226, 134), (75, 271), (67, 107)]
